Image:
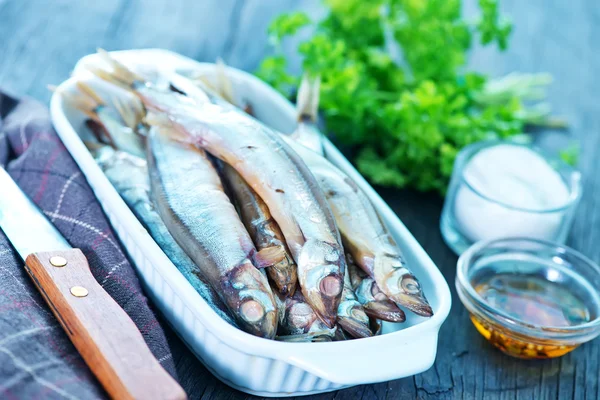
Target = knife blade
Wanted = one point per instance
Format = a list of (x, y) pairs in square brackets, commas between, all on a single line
[(105, 336), (26, 227)]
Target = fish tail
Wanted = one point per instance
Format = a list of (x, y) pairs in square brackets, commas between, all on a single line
[(225, 87), (85, 99), (307, 103), (132, 111), (118, 72)]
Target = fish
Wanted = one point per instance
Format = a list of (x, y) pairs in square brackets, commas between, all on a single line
[(118, 124), (393, 273), (191, 201), (254, 213), (271, 168), (308, 135), (299, 322), (264, 231), (129, 175), (375, 303), (352, 317), (307, 104), (364, 234), (373, 247)]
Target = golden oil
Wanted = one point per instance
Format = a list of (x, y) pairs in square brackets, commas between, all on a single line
[(521, 348), (535, 301)]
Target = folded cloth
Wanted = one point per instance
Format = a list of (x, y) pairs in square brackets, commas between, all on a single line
[(37, 360)]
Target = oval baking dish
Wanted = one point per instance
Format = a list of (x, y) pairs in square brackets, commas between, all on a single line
[(245, 362)]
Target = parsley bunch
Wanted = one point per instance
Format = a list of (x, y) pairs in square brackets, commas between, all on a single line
[(394, 86)]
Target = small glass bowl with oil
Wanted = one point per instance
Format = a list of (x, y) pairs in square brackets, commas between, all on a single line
[(530, 298)]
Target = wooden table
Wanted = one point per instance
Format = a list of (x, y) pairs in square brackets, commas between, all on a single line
[(42, 40)]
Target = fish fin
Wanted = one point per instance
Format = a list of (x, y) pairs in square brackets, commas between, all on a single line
[(157, 119), (307, 103), (166, 127), (269, 256), (119, 71)]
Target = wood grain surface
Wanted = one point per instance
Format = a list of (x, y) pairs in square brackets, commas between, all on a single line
[(102, 332), (42, 39)]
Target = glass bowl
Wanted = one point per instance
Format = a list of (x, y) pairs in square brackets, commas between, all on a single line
[(490, 205), (516, 289)]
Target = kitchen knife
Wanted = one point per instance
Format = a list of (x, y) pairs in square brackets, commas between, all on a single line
[(105, 336)]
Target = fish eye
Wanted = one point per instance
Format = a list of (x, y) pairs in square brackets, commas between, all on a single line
[(410, 285)]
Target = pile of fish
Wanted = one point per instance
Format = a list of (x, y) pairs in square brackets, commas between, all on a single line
[(276, 239)]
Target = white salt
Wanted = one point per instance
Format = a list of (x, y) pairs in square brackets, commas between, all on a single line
[(516, 193)]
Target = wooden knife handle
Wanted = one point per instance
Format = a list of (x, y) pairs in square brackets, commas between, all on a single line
[(105, 336)]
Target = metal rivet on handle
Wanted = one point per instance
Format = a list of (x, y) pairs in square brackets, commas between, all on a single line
[(79, 291), (58, 261)]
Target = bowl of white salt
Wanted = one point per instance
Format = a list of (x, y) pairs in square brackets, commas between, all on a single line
[(501, 189)]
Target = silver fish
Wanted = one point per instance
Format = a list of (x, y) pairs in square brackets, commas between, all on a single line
[(375, 303), (129, 175), (299, 322), (193, 205), (351, 315), (264, 231), (254, 213), (272, 169), (365, 236)]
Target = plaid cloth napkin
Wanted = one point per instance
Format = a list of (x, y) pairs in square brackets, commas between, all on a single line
[(37, 360)]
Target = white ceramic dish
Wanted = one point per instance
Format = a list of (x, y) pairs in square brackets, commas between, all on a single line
[(251, 364)]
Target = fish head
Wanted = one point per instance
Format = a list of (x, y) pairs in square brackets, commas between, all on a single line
[(300, 316), (247, 294), (283, 274), (352, 318), (321, 268), (400, 284)]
